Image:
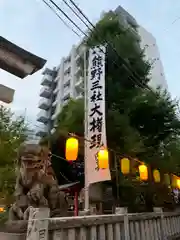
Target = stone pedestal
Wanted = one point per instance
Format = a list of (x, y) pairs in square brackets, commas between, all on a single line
[(38, 224), (84, 213), (92, 209), (12, 236), (157, 210), (121, 210)]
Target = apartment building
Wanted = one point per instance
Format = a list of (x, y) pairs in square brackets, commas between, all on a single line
[(58, 86), (66, 81), (148, 42)]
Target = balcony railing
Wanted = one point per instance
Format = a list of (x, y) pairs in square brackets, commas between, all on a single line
[(55, 103), (43, 116), (79, 83), (42, 132), (44, 103), (46, 80), (45, 92), (78, 71)]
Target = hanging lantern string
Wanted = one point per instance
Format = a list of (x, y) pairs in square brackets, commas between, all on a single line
[(74, 135), (112, 150)]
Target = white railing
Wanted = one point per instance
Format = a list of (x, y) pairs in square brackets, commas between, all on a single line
[(47, 79), (140, 226), (44, 101), (45, 92), (43, 114)]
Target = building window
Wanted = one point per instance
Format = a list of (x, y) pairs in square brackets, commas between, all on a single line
[(66, 98), (53, 110), (54, 97), (67, 84), (68, 59), (54, 85), (68, 71)]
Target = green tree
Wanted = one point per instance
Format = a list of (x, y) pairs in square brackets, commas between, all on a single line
[(150, 116), (71, 118), (139, 122), (13, 131)]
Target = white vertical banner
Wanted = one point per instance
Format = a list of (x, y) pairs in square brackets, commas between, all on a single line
[(96, 119)]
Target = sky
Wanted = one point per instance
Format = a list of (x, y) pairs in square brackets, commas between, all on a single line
[(31, 25)]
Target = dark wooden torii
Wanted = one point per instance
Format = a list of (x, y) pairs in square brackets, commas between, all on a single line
[(17, 61)]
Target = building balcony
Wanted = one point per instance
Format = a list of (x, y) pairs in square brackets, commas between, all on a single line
[(79, 60), (46, 80), (43, 116), (45, 92), (41, 133), (55, 103), (66, 95), (79, 96), (66, 92), (54, 116), (44, 103), (49, 71), (42, 130), (56, 90), (78, 71), (135, 33), (57, 79), (53, 130), (67, 69), (79, 84), (77, 56)]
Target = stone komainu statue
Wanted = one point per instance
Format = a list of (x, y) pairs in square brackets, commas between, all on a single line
[(36, 184)]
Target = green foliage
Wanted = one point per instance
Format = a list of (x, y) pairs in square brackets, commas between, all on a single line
[(121, 136), (139, 123), (110, 32), (71, 118), (13, 132), (159, 118), (142, 121), (3, 217)]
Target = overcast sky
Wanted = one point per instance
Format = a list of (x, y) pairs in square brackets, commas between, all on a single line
[(31, 25)]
